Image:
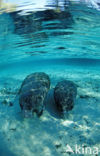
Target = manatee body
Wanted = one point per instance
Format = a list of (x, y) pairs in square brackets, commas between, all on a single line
[(64, 94), (33, 92)]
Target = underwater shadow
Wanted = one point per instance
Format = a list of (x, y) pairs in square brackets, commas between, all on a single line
[(51, 106), (4, 150)]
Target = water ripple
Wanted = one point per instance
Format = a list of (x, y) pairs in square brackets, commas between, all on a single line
[(70, 32)]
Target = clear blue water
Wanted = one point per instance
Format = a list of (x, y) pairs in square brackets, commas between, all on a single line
[(63, 43), (29, 41)]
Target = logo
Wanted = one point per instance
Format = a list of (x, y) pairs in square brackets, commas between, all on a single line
[(77, 149)]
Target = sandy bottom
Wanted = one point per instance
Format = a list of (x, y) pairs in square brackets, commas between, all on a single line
[(49, 135)]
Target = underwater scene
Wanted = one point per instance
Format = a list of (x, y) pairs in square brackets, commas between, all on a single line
[(49, 78)]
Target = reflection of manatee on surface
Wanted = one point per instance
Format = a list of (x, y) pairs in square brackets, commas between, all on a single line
[(33, 92), (34, 21), (64, 94)]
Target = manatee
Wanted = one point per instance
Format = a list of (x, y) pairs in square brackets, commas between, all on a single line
[(65, 94), (33, 92)]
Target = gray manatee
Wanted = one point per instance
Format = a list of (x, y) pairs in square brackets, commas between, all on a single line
[(65, 94), (33, 92)]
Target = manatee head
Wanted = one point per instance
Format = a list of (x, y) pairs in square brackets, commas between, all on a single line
[(31, 101), (25, 101)]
